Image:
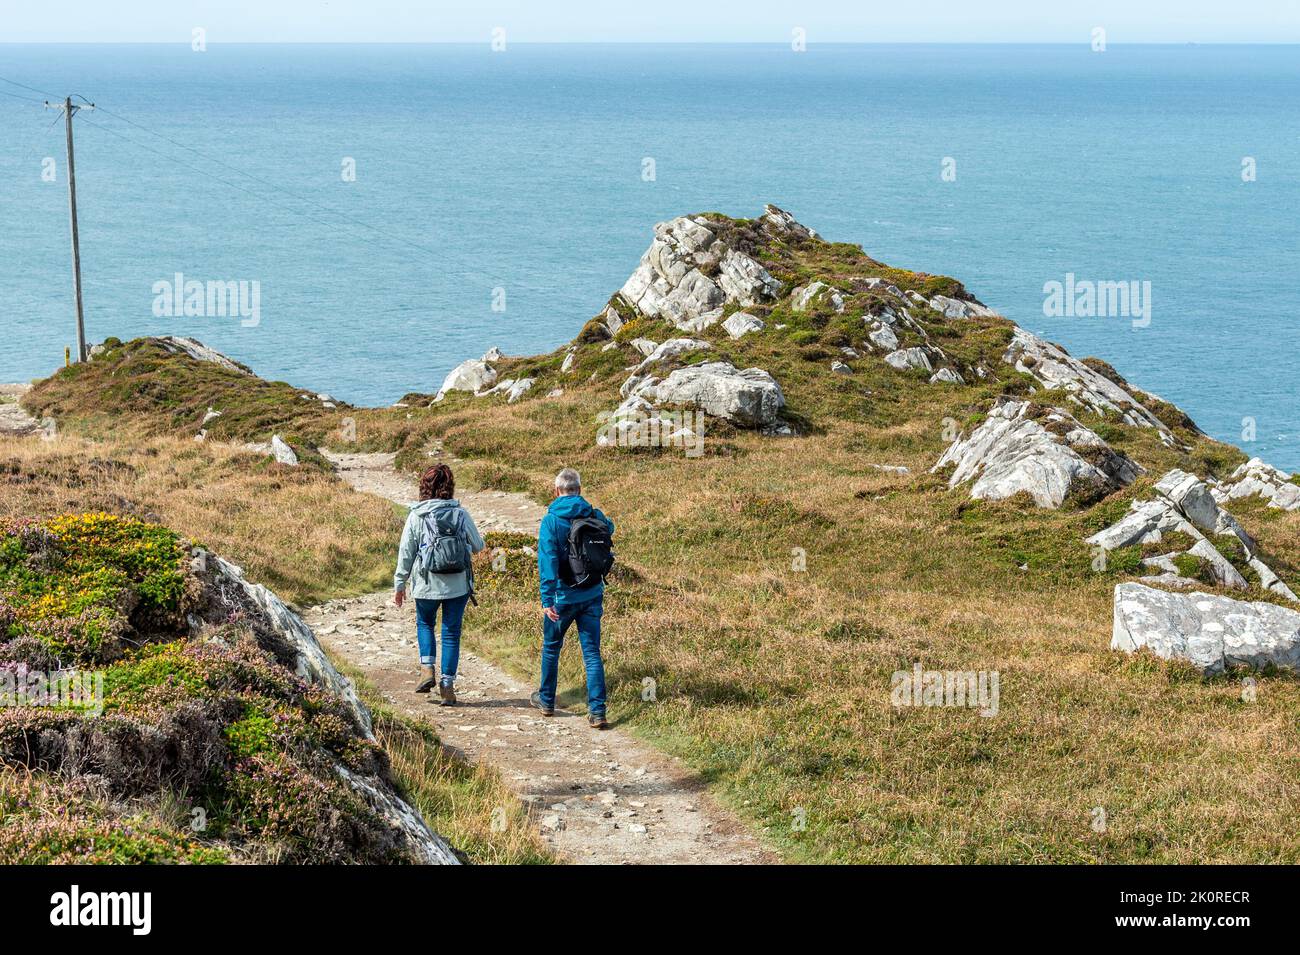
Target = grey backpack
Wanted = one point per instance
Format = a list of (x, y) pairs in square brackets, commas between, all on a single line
[(444, 548)]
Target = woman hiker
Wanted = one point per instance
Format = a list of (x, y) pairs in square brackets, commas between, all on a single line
[(434, 557)]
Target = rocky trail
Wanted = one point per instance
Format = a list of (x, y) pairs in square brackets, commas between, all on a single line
[(596, 796)]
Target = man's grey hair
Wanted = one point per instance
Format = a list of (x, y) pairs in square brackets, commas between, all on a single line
[(568, 481)]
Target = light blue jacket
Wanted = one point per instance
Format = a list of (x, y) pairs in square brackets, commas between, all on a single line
[(553, 547), (431, 586)]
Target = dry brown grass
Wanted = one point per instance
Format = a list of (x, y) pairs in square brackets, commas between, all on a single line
[(299, 531), (775, 683)]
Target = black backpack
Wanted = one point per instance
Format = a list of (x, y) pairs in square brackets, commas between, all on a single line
[(591, 551)]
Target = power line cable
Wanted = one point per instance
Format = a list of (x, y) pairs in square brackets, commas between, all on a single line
[(25, 99), (32, 89), (31, 149)]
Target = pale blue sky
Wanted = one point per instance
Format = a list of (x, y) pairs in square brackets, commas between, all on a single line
[(991, 21)]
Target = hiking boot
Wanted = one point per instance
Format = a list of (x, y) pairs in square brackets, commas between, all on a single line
[(536, 700), (597, 721), (447, 690), (427, 685)]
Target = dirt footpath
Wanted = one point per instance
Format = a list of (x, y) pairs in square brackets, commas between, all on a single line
[(597, 796)]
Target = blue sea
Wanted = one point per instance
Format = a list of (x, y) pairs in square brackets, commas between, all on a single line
[(524, 170)]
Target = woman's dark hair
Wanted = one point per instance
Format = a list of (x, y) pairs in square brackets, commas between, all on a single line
[(438, 481)]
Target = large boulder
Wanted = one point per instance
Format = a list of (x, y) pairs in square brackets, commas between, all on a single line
[(14, 419), (884, 337), (473, 376), (1208, 630), (1044, 452), (282, 452), (750, 398), (1054, 368), (1257, 479)]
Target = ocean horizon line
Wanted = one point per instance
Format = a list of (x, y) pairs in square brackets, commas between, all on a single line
[(778, 44)]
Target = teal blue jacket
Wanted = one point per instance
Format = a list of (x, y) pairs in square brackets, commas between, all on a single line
[(553, 547)]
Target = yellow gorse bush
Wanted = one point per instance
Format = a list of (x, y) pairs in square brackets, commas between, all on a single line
[(72, 584)]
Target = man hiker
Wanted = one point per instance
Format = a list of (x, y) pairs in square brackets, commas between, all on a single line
[(574, 554)]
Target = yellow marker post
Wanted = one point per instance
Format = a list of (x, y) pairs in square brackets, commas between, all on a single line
[(67, 356)]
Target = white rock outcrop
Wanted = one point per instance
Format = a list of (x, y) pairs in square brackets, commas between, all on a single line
[(672, 280), (1210, 631), (1052, 367), (740, 324), (199, 352), (473, 376), (1193, 499), (673, 348), (884, 337), (781, 223), (1146, 523), (282, 452), (1044, 456), (957, 308), (815, 294), (292, 635), (14, 419), (700, 322), (750, 398), (1257, 479), (744, 281), (1184, 504), (612, 320), (906, 358), (512, 388)]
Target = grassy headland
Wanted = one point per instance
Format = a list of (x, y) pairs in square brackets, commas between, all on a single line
[(774, 681)]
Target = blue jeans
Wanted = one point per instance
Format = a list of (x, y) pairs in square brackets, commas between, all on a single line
[(426, 617), (587, 616)]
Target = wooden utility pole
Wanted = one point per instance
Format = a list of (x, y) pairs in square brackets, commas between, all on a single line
[(68, 111)]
